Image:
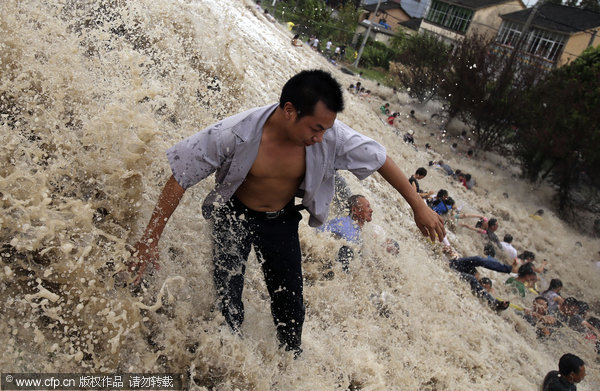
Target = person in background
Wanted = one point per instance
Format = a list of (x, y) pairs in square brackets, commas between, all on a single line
[(269, 17), (296, 40), (553, 294), (526, 276), (262, 159), (414, 181), (571, 370), (539, 318), (507, 246), (385, 109), (466, 268), (529, 257), (349, 227)]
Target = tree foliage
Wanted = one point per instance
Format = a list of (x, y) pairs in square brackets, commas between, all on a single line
[(560, 126), (421, 65), (345, 22), (326, 20), (377, 54), (483, 89)]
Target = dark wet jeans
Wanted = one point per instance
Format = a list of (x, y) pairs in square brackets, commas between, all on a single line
[(275, 240), (466, 268)]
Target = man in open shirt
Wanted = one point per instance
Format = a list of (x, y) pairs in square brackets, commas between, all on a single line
[(263, 159)]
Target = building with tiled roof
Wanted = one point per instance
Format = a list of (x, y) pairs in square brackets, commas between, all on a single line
[(558, 34)]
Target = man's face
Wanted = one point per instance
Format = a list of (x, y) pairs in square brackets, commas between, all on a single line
[(309, 129), (362, 210), (576, 377), (531, 278), (540, 306), (493, 228)]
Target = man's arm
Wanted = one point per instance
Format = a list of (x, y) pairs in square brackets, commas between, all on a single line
[(467, 215), (429, 222), (478, 230), (146, 250)]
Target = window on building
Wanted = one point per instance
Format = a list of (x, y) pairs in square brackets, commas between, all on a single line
[(541, 43), (450, 16), (509, 33), (545, 44)]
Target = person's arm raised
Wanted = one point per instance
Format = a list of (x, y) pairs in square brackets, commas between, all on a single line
[(429, 222), (146, 249)]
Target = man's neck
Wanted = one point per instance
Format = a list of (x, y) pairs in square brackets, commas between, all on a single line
[(274, 128), (359, 222)]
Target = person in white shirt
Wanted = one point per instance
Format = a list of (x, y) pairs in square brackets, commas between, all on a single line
[(508, 248)]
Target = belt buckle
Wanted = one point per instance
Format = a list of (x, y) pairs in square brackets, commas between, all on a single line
[(273, 215)]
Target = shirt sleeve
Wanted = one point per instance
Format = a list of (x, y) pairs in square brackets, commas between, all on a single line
[(357, 153), (198, 156)]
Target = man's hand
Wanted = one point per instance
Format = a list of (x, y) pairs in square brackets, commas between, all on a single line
[(515, 265), (429, 222), (146, 250), (145, 253)]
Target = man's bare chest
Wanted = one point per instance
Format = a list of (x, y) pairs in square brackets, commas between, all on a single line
[(274, 162)]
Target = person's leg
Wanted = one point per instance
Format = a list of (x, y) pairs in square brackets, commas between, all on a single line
[(480, 291), (344, 256), (488, 263), (278, 248), (231, 246)]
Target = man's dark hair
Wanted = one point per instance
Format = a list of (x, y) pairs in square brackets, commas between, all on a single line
[(583, 307), (442, 193), (307, 88), (468, 177), (492, 222), (508, 238), (569, 363), (353, 201), (571, 302), (526, 270), (554, 284), (489, 250), (540, 298), (485, 281), (450, 201), (421, 171), (527, 255)]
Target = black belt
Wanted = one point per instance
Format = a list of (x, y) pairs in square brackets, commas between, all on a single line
[(240, 207)]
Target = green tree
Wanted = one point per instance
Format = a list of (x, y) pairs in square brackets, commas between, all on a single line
[(560, 127), (377, 54), (592, 5), (345, 23), (316, 17), (422, 61), (484, 89)]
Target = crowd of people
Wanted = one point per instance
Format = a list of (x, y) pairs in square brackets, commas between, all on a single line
[(549, 313), (257, 181)]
